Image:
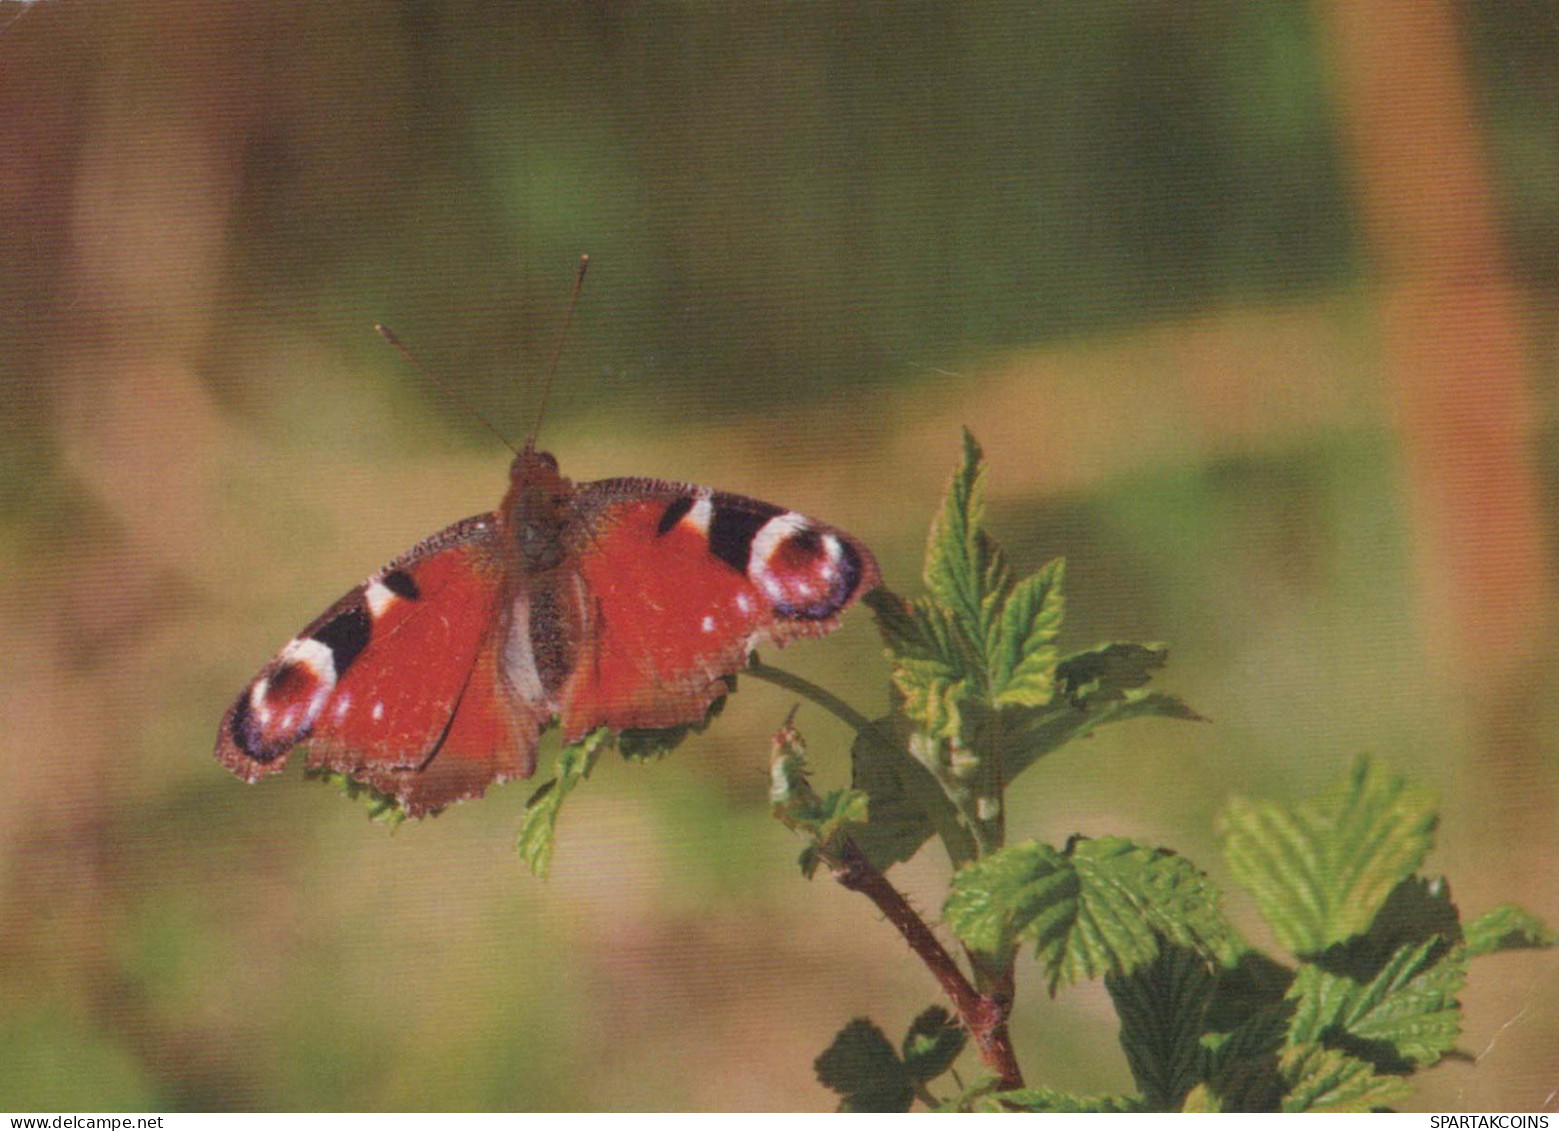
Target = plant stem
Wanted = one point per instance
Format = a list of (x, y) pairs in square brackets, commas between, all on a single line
[(809, 690), (984, 1017), (983, 1014)]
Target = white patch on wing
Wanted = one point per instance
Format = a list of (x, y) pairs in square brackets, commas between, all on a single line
[(744, 602), (708, 624), (314, 655), (379, 597), (771, 535), (343, 705), (700, 513), (378, 711), (257, 704)]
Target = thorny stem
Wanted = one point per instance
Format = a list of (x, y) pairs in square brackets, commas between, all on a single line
[(983, 1014), (984, 1017)]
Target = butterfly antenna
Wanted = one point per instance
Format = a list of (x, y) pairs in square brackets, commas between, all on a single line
[(427, 375), (557, 350)]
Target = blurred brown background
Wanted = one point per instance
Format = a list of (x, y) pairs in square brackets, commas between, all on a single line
[(1253, 304)]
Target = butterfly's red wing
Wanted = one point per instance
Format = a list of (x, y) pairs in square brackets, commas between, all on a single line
[(680, 584), (399, 684)]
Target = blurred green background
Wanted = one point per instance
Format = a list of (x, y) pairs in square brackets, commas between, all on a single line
[(1253, 304)]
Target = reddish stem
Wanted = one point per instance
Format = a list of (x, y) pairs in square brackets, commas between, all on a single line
[(984, 1017)]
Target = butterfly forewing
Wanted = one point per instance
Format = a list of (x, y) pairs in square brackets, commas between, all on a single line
[(373, 682), (682, 584)]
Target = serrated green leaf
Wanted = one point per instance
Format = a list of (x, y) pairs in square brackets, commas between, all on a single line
[(1053, 1100), (932, 1044), (1039, 732), (1163, 1008), (934, 665), (539, 823), (1028, 887), (1021, 653), (1321, 871), (1242, 1072), (963, 568), (862, 1067), (1253, 1069), (1098, 908), (1326, 1080), (1130, 897), (1406, 1016), (1507, 927), (937, 679)]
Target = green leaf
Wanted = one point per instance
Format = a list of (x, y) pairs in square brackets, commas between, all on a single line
[(1025, 888), (1249, 986), (965, 572), (1021, 653), (826, 821), (382, 808), (1052, 1100), (1131, 895), (1100, 907), (1507, 927), (934, 666), (1109, 671), (932, 1044), (1406, 1016), (863, 1068), (1093, 688), (1163, 1008), (905, 804), (1326, 1080), (538, 825), (1321, 871)]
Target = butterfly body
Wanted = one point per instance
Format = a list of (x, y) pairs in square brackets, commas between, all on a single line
[(624, 603)]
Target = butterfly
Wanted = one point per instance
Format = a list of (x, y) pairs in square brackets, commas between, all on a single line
[(622, 603)]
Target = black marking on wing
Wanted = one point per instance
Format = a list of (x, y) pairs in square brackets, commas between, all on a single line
[(402, 584), (674, 513), (346, 634), (732, 529), (808, 540), (851, 577), (246, 736)]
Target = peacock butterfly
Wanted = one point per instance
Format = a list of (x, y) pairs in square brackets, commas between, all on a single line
[(623, 603)]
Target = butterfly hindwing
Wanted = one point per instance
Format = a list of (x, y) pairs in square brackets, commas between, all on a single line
[(680, 584)]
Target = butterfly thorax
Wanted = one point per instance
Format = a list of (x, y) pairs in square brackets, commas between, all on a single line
[(536, 510)]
